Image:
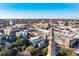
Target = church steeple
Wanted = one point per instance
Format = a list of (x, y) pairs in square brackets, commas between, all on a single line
[(10, 22), (51, 46)]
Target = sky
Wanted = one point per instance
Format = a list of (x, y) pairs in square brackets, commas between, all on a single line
[(39, 10)]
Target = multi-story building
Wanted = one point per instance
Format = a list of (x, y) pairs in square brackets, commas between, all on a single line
[(66, 37)]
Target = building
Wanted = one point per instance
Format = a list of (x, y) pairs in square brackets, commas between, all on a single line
[(22, 34), (63, 42), (41, 25), (7, 30), (41, 44), (11, 38), (37, 41), (2, 42), (1, 35), (66, 37)]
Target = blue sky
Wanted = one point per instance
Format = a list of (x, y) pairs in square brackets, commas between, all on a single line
[(39, 10)]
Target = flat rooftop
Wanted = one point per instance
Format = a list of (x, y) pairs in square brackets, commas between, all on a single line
[(67, 32)]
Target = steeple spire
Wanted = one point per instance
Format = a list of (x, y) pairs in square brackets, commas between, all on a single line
[(51, 47)]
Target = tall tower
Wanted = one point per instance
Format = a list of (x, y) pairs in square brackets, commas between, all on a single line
[(66, 23), (51, 46), (10, 22)]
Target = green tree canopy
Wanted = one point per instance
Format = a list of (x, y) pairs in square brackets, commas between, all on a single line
[(20, 41), (32, 50), (71, 53), (44, 51), (62, 52), (8, 52), (1, 47), (11, 46)]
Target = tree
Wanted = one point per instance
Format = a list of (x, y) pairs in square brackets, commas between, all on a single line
[(62, 52), (8, 52), (35, 51), (23, 48), (44, 51), (11, 46), (20, 41), (27, 43), (71, 53), (32, 50), (14, 51), (1, 48)]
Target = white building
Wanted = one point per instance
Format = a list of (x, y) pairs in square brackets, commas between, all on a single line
[(37, 41), (23, 34), (11, 22), (7, 30)]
